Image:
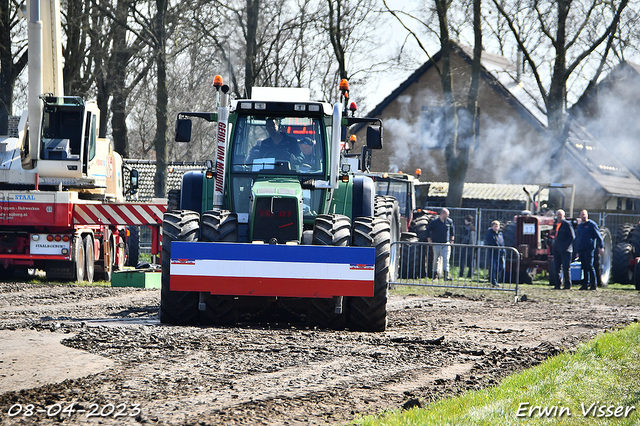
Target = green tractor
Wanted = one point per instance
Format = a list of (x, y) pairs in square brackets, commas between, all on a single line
[(279, 220)]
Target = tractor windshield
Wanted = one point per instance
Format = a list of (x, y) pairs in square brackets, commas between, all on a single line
[(398, 189), (278, 145)]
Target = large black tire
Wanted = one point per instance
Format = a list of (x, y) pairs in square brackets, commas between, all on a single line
[(419, 225), (89, 258), (623, 233), (370, 313), (218, 226), (621, 271), (173, 200), (177, 307), (329, 230), (603, 269), (412, 257), (133, 246), (387, 207), (509, 234)]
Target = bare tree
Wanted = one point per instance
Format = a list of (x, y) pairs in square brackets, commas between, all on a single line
[(13, 58), (572, 32), (459, 117)]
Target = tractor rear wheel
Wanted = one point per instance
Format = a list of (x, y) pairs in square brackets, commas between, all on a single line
[(173, 200), (218, 226), (329, 230), (177, 307), (370, 313), (412, 258), (419, 225), (387, 207), (620, 266), (623, 233)]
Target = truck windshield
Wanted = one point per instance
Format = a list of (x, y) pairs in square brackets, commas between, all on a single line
[(279, 145)]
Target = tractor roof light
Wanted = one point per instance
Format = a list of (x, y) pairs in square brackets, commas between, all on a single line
[(217, 82), (353, 107), (418, 172), (344, 89)]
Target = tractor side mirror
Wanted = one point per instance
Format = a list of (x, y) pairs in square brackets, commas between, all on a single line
[(374, 137), (133, 181), (183, 130)]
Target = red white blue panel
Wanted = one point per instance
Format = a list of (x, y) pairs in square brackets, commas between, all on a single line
[(272, 270)]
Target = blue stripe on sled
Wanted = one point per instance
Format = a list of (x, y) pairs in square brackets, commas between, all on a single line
[(273, 253)]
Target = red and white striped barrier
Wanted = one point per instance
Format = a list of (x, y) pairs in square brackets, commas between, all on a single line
[(118, 214)]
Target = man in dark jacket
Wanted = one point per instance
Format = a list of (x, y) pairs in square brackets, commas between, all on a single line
[(563, 250), (588, 238), (278, 145), (494, 238), (441, 231)]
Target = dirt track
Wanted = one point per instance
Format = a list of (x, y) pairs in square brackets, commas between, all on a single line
[(283, 373)]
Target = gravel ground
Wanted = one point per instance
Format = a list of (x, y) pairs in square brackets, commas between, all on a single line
[(437, 344)]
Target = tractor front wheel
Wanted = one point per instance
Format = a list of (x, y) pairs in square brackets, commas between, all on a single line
[(370, 313), (218, 226), (329, 230), (177, 307)]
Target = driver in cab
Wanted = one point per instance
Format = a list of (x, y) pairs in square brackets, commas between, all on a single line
[(278, 145)]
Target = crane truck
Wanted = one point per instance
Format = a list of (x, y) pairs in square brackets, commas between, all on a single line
[(62, 208), (271, 225)]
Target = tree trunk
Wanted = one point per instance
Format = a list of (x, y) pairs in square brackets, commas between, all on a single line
[(253, 8), (120, 56), (9, 70), (555, 104), (459, 125), (162, 100)]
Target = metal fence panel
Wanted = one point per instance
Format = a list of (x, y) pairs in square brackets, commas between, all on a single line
[(470, 266)]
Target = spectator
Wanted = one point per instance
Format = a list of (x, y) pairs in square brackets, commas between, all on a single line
[(441, 231), (466, 253), (494, 238), (588, 239), (562, 250)]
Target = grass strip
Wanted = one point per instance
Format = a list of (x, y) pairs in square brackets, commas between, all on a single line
[(598, 384)]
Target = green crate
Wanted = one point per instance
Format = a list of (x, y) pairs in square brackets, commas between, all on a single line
[(137, 278)]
